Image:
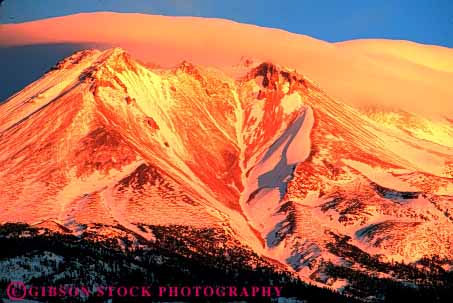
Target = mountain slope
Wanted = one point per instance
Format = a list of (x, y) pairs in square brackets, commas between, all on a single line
[(268, 157), (346, 176)]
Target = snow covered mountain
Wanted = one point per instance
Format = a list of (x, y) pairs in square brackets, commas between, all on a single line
[(268, 156)]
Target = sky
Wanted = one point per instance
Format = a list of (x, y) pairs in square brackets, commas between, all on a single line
[(423, 21)]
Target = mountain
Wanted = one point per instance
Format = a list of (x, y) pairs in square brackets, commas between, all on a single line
[(102, 146), (361, 73)]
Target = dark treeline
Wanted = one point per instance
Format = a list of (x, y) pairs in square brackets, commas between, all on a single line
[(187, 256), (423, 281), (180, 256)]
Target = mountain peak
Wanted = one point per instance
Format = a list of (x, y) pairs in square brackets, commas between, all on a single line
[(109, 63), (272, 76), (117, 59), (190, 69), (115, 51)]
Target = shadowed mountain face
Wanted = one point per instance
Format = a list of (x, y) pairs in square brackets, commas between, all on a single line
[(267, 157)]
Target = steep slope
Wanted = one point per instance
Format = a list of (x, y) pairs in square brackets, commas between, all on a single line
[(268, 157), (333, 171), (111, 131)]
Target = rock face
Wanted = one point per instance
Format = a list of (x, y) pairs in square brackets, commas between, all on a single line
[(268, 157)]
